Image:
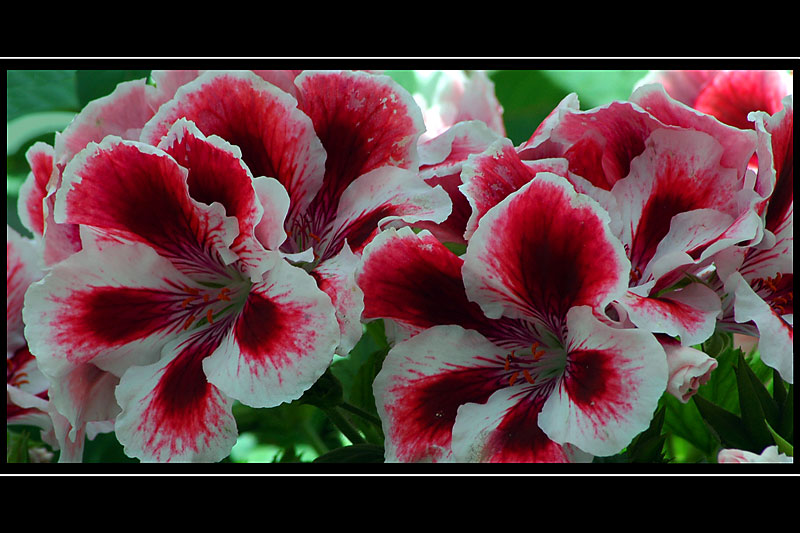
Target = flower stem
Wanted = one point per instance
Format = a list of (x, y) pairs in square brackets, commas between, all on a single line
[(360, 412), (344, 426)]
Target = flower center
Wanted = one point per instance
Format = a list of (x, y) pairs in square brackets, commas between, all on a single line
[(778, 291), (208, 305), (536, 364)]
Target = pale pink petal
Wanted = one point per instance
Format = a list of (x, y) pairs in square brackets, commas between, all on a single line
[(682, 85), (423, 382), (769, 455), (274, 201), (170, 412), (23, 267), (279, 344), (612, 383), (541, 251), (689, 312), (539, 145), (689, 368), (275, 138), (123, 113)]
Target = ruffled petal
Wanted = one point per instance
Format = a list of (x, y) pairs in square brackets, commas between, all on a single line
[(30, 205), (115, 305), (495, 173), (364, 121), (689, 313), (274, 201), (423, 382), (611, 386), (775, 330), (275, 138), (132, 191), (376, 199), (413, 280), (336, 278), (23, 267), (682, 85), (541, 251), (170, 412), (279, 344), (505, 430)]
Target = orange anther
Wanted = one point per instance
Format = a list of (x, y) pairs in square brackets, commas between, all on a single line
[(223, 294), (192, 290), (209, 315), (314, 236), (508, 363), (771, 286), (187, 301), (527, 375), (513, 379), (538, 355), (188, 322), (205, 297)]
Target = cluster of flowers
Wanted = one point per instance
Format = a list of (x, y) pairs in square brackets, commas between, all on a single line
[(213, 237)]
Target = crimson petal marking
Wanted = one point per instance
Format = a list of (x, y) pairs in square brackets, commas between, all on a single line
[(682, 85), (505, 430), (170, 412), (377, 198), (731, 95), (139, 193), (30, 205), (22, 268), (276, 139), (689, 313), (542, 250), (115, 308), (122, 113), (414, 280), (613, 381), (738, 145), (497, 172), (280, 343), (422, 383), (364, 121)]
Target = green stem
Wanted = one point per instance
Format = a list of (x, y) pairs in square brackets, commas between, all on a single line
[(360, 412), (344, 426), (315, 439)]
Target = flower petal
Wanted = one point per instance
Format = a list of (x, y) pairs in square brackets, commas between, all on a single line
[(279, 344), (689, 368), (689, 313), (364, 121), (23, 267), (132, 191), (115, 307), (541, 251), (275, 138), (613, 381), (379, 197), (170, 412), (505, 430), (422, 383), (30, 205), (415, 281)]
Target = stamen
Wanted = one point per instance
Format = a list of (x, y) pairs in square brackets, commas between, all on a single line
[(771, 286), (223, 294), (527, 376), (205, 297), (188, 322), (508, 363), (513, 379), (192, 290), (187, 301), (314, 236), (538, 355), (209, 314)]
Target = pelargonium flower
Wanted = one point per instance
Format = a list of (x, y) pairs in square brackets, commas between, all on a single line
[(689, 368), (757, 281), (173, 294), (677, 186), (344, 146), (504, 355)]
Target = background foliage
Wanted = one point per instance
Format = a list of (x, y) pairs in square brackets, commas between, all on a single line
[(744, 405)]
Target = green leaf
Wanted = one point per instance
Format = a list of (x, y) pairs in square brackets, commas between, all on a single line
[(325, 393), (648, 446), (35, 91), (768, 405), (684, 420), (786, 427), (16, 447), (356, 453), (753, 416), (778, 389), (93, 84), (728, 427), (721, 388), (783, 446)]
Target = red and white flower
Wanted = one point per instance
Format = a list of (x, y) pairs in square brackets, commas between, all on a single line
[(173, 295), (769, 455), (344, 146), (507, 356)]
